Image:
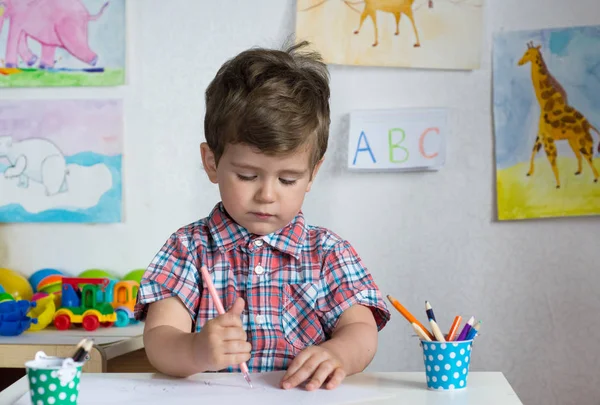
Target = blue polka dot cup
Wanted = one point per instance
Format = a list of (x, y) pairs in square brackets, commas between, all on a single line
[(447, 364), (53, 380)]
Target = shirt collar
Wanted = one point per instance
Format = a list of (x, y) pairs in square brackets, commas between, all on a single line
[(290, 238), (228, 234)]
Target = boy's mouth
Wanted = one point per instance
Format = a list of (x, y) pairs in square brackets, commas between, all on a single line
[(262, 215)]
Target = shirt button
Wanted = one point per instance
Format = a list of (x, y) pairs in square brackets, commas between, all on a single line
[(260, 319), (258, 242), (259, 270)]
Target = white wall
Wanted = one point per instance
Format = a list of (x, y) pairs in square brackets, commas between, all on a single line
[(429, 236)]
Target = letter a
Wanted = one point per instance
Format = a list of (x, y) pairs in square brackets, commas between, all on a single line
[(367, 148)]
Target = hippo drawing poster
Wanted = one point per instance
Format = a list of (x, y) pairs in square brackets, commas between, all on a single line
[(60, 161), (48, 43)]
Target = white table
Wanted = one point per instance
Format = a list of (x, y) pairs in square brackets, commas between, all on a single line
[(109, 343), (486, 388)]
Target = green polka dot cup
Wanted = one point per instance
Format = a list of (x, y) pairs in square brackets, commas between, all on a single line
[(53, 380), (447, 364)]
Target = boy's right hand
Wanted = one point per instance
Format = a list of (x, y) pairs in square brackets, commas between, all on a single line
[(222, 342)]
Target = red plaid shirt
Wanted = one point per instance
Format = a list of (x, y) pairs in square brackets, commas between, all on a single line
[(296, 283)]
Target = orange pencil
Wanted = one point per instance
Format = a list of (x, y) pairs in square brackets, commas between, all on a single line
[(454, 327), (409, 317)]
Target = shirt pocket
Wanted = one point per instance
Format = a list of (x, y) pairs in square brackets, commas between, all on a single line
[(299, 320)]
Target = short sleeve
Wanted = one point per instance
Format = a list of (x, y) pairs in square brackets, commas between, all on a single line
[(172, 273), (346, 282)]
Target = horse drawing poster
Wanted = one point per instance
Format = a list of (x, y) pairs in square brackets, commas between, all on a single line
[(547, 122), (60, 161), (48, 43), (436, 34)]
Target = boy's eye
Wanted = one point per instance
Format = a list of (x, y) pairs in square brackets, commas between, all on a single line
[(246, 178), (287, 182)]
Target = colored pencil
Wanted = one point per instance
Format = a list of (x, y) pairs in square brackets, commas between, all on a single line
[(81, 354), (474, 331), (429, 311), (454, 328), (409, 317), (78, 348), (421, 332), (434, 327), (466, 329), (215, 296), (80, 351)]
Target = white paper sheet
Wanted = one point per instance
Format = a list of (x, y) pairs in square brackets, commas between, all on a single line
[(221, 389)]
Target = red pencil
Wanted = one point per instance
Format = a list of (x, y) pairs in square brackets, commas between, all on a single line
[(454, 328)]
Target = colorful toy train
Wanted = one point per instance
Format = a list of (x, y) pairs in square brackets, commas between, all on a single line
[(94, 302), (92, 299)]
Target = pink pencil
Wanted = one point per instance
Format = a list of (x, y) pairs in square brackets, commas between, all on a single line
[(221, 311)]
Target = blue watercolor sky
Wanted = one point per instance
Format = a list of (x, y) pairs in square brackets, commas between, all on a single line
[(106, 37), (572, 56)]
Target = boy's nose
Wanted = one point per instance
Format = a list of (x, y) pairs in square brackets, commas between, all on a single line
[(266, 193)]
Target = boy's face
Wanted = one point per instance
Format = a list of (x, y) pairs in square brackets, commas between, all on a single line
[(262, 193)]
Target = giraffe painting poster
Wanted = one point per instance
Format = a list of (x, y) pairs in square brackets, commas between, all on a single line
[(52, 43), (434, 34), (547, 122), (60, 161)]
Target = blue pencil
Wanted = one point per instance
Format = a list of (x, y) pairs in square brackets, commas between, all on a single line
[(474, 331)]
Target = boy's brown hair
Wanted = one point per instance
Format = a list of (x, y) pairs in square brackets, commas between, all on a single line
[(275, 101)]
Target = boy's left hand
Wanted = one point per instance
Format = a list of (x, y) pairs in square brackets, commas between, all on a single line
[(315, 364)]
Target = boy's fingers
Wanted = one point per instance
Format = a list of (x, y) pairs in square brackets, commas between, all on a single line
[(336, 378), (233, 333), (301, 375), (225, 320), (295, 365), (228, 320), (230, 354), (233, 317), (237, 308), (319, 376), (237, 347), (238, 358)]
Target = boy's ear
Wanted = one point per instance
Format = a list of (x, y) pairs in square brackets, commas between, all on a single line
[(209, 162), (314, 174)]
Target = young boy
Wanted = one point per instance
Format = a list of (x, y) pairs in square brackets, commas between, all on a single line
[(298, 297)]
